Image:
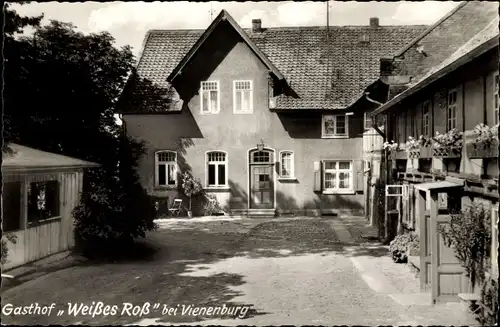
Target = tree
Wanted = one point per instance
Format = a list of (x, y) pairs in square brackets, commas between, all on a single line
[(61, 94)]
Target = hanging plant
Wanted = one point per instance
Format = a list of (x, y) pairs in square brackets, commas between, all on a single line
[(469, 234)]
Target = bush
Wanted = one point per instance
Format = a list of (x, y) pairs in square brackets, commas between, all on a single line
[(469, 234), (116, 212), (400, 246), (5, 250)]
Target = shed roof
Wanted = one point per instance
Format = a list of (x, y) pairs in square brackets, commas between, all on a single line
[(437, 186), (325, 72), (26, 158)]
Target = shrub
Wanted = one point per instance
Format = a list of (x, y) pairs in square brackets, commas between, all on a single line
[(191, 186), (489, 299), (485, 134), (469, 234), (212, 206), (5, 250), (452, 138), (399, 247)]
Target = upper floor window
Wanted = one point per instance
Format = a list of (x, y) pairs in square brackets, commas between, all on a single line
[(426, 106), (216, 169), (286, 164), (338, 176), (452, 110), (367, 121), (495, 95), (242, 97), (210, 97), (335, 126), (166, 168)]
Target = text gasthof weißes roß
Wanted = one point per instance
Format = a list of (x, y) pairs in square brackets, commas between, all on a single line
[(96, 309)]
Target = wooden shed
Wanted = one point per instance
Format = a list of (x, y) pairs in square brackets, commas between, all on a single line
[(40, 190)]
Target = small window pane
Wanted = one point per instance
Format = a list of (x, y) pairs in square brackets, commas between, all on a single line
[(330, 165), (171, 174), (329, 125), (238, 101), (211, 174), (246, 100), (344, 180), (162, 176), (222, 174), (213, 100), (205, 102), (344, 165)]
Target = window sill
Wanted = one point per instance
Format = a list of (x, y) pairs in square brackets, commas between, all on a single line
[(44, 221), (348, 192), (287, 179), (217, 188), (335, 136), (209, 113), (242, 112)]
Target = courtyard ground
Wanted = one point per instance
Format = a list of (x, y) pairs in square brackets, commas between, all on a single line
[(296, 271)]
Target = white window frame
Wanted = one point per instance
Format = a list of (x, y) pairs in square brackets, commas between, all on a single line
[(292, 165), (496, 96), (335, 134), (367, 119), (337, 171), (210, 109), (494, 241), (450, 120), (249, 110), (216, 163), (426, 119), (167, 164)]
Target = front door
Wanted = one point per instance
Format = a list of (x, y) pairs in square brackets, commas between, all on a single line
[(261, 180)]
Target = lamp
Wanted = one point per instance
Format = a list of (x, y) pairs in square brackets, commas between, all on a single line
[(260, 146)]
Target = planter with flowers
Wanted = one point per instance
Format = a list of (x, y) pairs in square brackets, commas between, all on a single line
[(395, 151), (485, 144), (448, 145), (419, 148)]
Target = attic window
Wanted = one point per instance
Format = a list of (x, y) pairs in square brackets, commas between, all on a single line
[(364, 38)]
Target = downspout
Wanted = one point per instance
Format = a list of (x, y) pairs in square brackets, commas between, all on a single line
[(374, 121)]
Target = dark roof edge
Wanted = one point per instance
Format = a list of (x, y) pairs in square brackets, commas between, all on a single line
[(8, 169), (490, 44), (430, 29), (224, 15)]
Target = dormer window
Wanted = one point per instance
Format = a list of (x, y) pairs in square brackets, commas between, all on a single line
[(335, 126), (210, 97)]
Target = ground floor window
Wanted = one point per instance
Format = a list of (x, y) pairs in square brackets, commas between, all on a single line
[(11, 206), (338, 176), (166, 168), (287, 164), (216, 169), (43, 200)]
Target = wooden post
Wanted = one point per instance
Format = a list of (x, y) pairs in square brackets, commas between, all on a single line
[(24, 202), (422, 238), (434, 246)]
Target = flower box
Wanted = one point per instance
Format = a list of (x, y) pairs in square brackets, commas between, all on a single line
[(482, 150), (398, 155), (420, 153), (447, 152)]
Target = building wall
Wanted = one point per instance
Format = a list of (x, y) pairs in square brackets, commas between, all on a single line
[(192, 134)]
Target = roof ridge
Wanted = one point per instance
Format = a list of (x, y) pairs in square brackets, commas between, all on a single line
[(431, 28)]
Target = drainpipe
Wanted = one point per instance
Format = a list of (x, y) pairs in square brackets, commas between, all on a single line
[(374, 122)]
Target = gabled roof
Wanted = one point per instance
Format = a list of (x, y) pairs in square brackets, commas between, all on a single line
[(484, 40), (223, 16), (300, 54), (26, 158)]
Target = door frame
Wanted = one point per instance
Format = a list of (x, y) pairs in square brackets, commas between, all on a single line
[(273, 165)]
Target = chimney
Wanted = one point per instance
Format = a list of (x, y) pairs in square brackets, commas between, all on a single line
[(374, 22), (256, 25)]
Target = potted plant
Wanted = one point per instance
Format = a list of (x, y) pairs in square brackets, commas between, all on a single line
[(191, 187)]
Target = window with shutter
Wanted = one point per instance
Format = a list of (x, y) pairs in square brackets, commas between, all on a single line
[(338, 177)]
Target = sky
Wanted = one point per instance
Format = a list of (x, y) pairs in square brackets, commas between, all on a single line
[(128, 22)]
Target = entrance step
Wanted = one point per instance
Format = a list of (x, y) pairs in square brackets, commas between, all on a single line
[(255, 213)]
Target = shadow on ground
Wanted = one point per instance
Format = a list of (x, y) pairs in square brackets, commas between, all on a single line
[(159, 278)]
